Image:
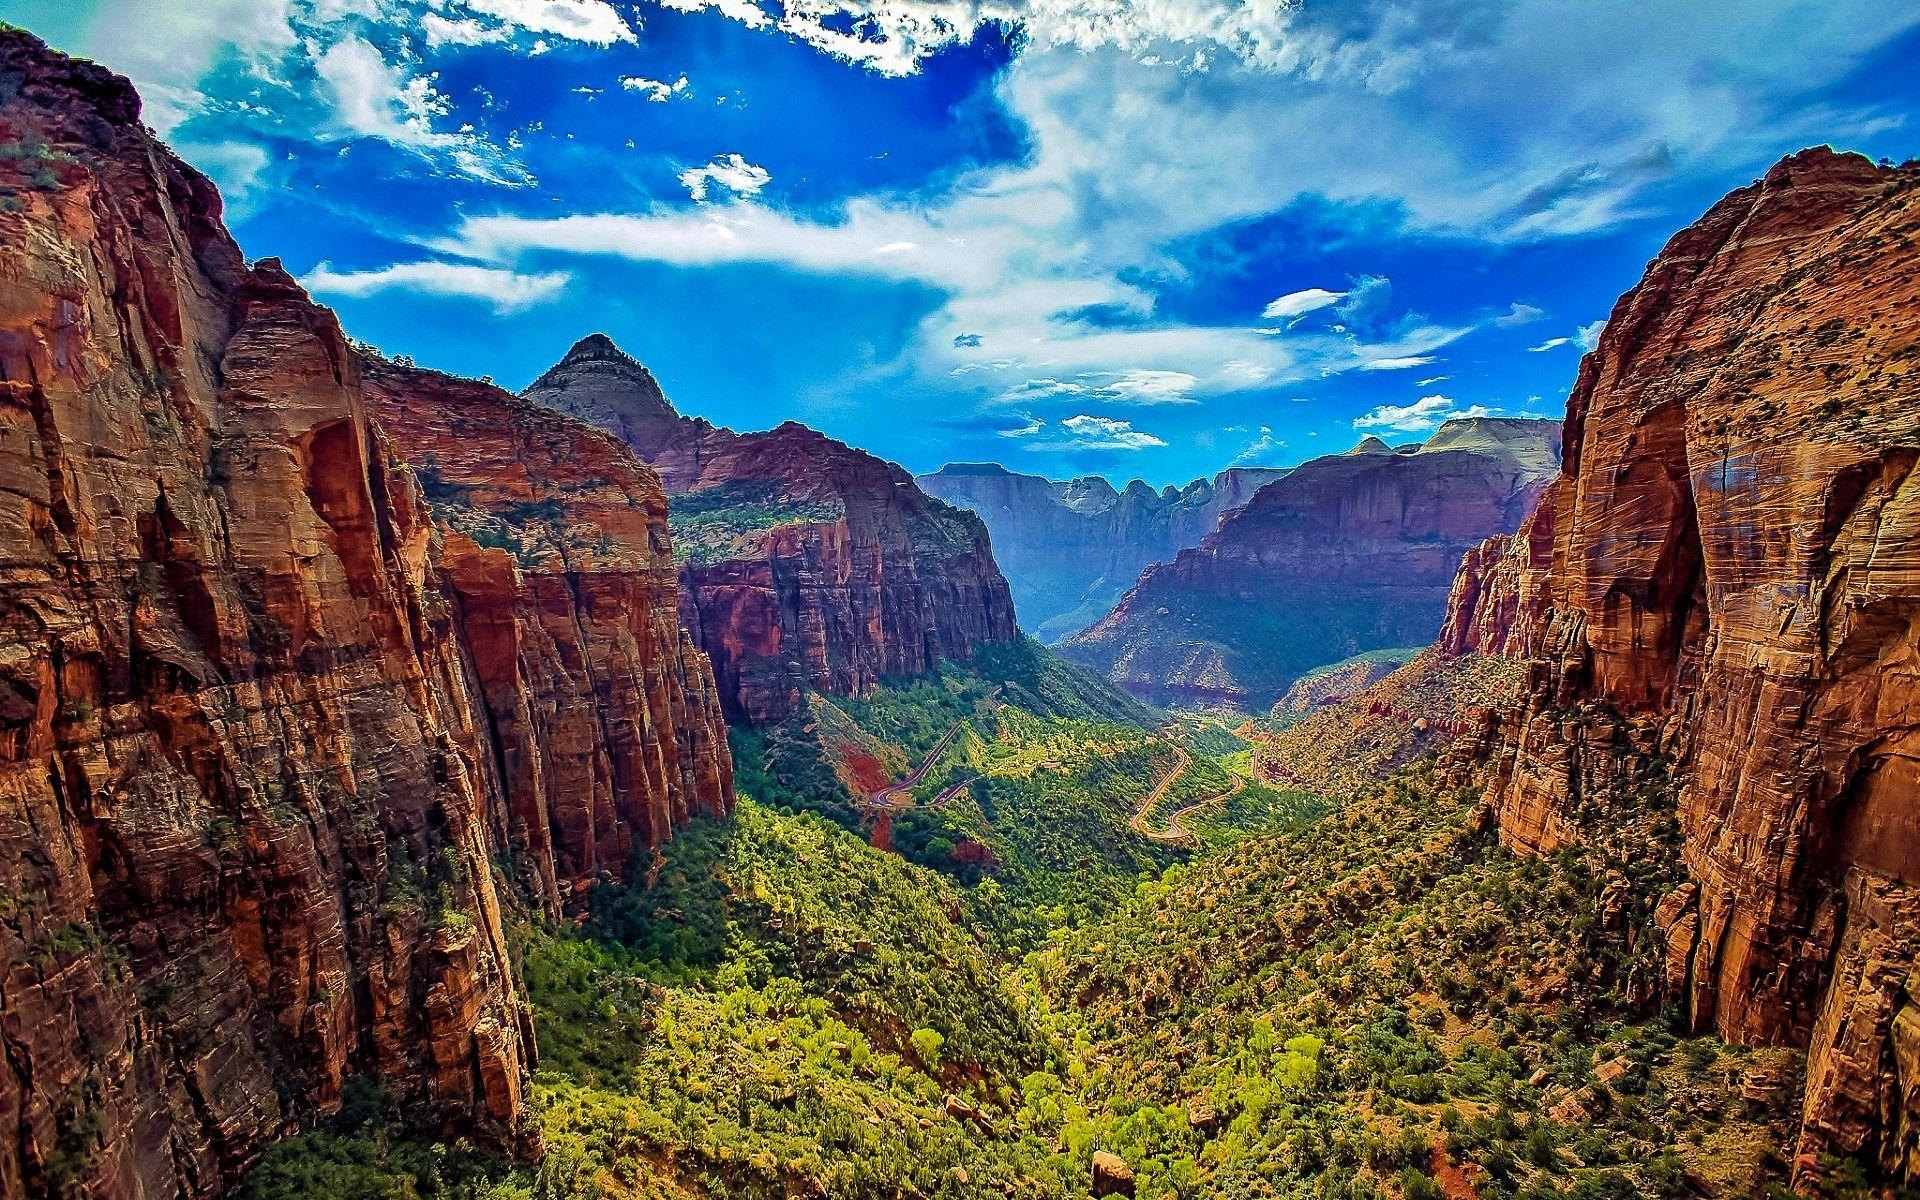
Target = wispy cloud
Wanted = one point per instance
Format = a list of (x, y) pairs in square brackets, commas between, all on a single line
[(508, 291), (1294, 305)]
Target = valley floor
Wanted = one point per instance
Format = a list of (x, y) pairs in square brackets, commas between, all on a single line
[(1342, 995)]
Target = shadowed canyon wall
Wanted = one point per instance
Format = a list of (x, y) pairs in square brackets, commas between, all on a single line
[(1727, 574), (268, 718)]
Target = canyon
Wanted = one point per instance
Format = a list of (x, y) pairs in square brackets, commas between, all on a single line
[(1345, 554), (1723, 586), (272, 717), (805, 563), (1072, 548)]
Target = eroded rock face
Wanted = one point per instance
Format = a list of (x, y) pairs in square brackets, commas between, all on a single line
[(603, 714), (1728, 572), (1346, 554), (253, 779), (804, 563), (1072, 549)]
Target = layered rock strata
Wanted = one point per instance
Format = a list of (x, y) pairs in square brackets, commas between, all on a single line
[(253, 777), (1072, 548), (805, 564), (1727, 574), (1346, 554)]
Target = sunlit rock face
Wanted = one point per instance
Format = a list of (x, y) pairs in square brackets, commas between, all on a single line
[(270, 723), (1728, 573), (804, 563), (1072, 549), (1346, 554)]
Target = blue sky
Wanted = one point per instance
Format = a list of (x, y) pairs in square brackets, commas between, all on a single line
[(1074, 236)]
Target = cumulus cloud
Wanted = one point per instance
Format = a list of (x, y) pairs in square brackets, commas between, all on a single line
[(1260, 450), (1519, 314), (657, 90), (1424, 414), (1588, 336), (731, 172), (1084, 432), (1295, 305), (507, 291)]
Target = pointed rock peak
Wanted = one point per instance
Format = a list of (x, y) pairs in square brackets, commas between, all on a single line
[(1371, 445), (598, 346)]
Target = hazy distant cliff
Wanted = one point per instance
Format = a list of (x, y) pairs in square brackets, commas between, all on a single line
[(804, 562), (1726, 577), (1072, 549), (1347, 553)]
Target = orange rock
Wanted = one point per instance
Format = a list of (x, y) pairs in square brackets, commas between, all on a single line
[(1730, 561)]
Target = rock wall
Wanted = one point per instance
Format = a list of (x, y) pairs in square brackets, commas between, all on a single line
[(1346, 554), (603, 716), (253, 780), (1072, 549), (1728, 573), (804, 563)]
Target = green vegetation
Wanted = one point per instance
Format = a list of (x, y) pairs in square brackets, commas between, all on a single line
[(711, 525), (1353, 995)]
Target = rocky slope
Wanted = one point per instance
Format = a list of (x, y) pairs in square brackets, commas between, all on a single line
[(254, 775), (804, 563), (1727, 576), (1346, 554), (1072, 549)]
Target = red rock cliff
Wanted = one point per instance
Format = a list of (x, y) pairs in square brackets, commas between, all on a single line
[(804, 563), (603, 714), (1728, 573), (254, 768)]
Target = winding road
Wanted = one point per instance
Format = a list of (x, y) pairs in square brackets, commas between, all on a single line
[(1175, 830), (886, 799)]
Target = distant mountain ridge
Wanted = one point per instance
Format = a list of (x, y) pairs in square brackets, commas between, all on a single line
[(1071, 548), (804, 563), (1345, 554)]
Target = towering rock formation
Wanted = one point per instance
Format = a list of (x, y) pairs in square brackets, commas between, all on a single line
[(804, 563), (1072, 549), (258, 756), (1727, 576), (1349, 553), (603, 715)]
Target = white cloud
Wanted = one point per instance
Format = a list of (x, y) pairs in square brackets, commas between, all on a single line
[(507, 291), (732, 172), (1034, 425), (1294, 305), (1396, 362), (1519, 314), (1553, 343), (461, 31), (371, 97), (593, 22), (1426, 413), (657, 90), (235, 166), (1260, 450), (1083, 432), (1140, 386), (1588, 336), (169, 47)]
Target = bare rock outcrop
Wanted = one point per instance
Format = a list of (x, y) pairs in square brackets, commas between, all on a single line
[(254, 772), (1727, 573), (804, 563)]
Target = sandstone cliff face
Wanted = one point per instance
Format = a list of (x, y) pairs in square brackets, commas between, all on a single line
[(1346, 554), (603, 715), (804, 563), (1728, 573), (252, 784), (1072, 549)]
